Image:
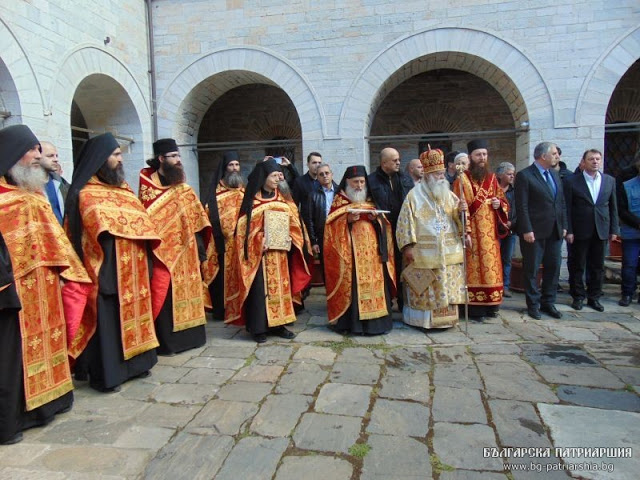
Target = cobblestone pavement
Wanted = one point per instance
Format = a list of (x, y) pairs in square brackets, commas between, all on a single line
[(407, 405)]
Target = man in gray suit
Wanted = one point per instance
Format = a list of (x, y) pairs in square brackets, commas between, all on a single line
[(592, 218), (542, 224)]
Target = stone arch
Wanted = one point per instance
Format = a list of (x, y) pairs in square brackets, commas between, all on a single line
[(596, 91), (196, 87), (25, 99), (79, 64), (502, 64)]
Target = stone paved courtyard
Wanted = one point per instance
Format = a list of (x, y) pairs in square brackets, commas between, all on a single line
[(408, 405)]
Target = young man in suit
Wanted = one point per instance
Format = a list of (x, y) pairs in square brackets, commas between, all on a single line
[(542, 224), (592, 218)]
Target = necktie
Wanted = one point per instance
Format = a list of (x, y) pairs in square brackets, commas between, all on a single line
[(53, 199), (550, 183)]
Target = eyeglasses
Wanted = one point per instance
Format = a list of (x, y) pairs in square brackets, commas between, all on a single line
[(324, 174), (173, 155)]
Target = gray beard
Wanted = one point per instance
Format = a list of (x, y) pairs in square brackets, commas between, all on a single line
[(32, 179), (233, 179), (439, 189), (285, 191), (356, 196)]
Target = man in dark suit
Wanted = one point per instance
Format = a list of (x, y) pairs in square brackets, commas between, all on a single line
[(56, 187), (307, 183), (592, 218), (542, 224)]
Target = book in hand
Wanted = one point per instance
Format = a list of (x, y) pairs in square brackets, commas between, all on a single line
[(365, 210), (276, 230)]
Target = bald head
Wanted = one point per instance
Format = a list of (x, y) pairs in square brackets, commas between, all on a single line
[(389, 160), (415, 169), (49, 159)]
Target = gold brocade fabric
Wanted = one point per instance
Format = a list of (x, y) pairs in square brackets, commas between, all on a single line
[(276, 268), (107, 208), (484, 267), (41, 254), (178, 215), (356, 247)]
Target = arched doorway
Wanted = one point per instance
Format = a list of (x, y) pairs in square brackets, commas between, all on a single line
[(100, 104), (622, 129), (446, 100), (10, 112), (255, 120)]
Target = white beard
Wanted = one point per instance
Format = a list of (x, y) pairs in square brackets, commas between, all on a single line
[(31, 178), (439, 189), (356, 196)]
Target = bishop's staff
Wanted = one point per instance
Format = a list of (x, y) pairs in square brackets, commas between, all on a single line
[(461, 169)]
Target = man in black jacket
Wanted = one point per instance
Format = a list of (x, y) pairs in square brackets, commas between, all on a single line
[(318, 206), (389, 187), (308, 182), (592, 219)]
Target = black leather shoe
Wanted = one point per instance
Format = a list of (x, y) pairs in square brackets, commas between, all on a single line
[(596, 305), (534, 312), (282, 332), (551, 310), (625, 301), (260, 337), (17, 438), (577, 304)]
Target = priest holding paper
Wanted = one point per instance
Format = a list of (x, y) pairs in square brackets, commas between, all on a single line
[(269, 258), (428, 234), (358, 259)]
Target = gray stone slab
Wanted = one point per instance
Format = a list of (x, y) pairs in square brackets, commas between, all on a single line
[(451, 354), (89, 402), (616, 334), (456, 375), (397, 458), (318, 334), (140, 390), (563, 355), (220, 417), (90, 459), (357, 373), (360, 355), (410, 386), (496, 349), (185, 393), (599, 398), (259, 373), (10, 473), (230, 351), (629, 375), (196, 457), (327, 433), (458, 405), (573, 334), (142, 436), (531, 332), (302, 378), (588, 427), (489, 358), (514, 381), (215, 363), (518, 424), (408, 359), (407, 337), (279, 414), (317, 321), (273, 354), (402, 419), (314, 467), (21, 454), (451, 336), (85, 430), (314, 354), (624, 354), (344, 399), (169, 416), (587, 376), (245, 391), (461, 446), (167, 374), (208, 376)]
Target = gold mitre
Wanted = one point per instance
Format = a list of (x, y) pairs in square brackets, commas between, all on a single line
[(432, 160)]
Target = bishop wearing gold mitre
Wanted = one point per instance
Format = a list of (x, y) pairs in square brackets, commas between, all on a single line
[(358, 259), (429, 236), (38, 316), (183, 225), (269, 258)]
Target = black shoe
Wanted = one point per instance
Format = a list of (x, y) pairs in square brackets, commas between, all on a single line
[(115, 389), (166, 354), (17, 438), (559, 289), (551, 310), (596, 305), (577, 303), (507, 293), (282, 332), (534, 312), (492, 313), (625, 301), (260, 337), (477, 319)]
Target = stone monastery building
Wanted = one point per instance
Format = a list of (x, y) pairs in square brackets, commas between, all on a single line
[(345, 78)]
